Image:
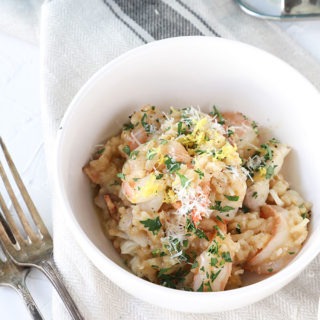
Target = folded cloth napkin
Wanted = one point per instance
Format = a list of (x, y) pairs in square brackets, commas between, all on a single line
[(77, 38)]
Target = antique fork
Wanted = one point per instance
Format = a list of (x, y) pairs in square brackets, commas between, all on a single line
[(36, 249), (14, 276)]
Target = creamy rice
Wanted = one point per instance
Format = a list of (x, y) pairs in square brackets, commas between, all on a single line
[(192, 200)]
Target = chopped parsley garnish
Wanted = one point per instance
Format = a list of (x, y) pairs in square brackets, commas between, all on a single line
[(230, 133), (213, 249), (269, 153), (200, 173), (245, 209), (152, 225), (100, 151), (200, 289), (219, 116), (180, 129), (270, 270), (213, 262), (218, 207), (291, 252), (192, 228), (159, 176), (163, 141), (171, 164), (151, 154), (134, 154), (147, 127), (171, 280), (238, 228), (126, 150), (195, 264), (270, 171), (232, 198), (255, 195), (121, 175), (303, 215), (184, 180), (128, 126), (198, 151), (226, 256), (214, 275)]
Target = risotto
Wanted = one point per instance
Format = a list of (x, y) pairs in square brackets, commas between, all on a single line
[(192, 200)]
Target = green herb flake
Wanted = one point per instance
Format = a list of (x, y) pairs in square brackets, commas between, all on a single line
[(134, 154), (214, 276), (270, 270), (238, 228), (270, 172), (245, 209), (185, 182), (159, 176), (121, 175), (213, 262), (128, 126), (192, 228), (155, 252), (291, 252), (198, 151), (185, 243), (217, 114), (171, 164), (230, 133), (269, 154), (255, 195), (147, 127), (218, 207), (100, 151), (126, 150), (200, 289), (163, 141), (232, 198), (200, 173), (152, 225), (151, 154), (226, 256), (214, 248), (195, 264)]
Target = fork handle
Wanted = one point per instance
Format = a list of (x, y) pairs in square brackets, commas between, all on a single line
[(48, 267), (35, 313)]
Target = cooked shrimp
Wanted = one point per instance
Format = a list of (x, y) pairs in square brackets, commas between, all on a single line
[(258, 190), (214, 265), (228, 189), (256, 195), (144, 190), (176, 151), (243, 132), (262, 263)]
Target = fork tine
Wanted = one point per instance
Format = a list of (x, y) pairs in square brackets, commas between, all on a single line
[(5, 241), (11, 224), (22, 217), (30, 205), (7, 229)]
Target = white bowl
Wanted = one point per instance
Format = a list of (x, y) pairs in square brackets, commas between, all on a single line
[(198, 71)]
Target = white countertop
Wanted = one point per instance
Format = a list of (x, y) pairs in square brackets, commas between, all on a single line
[(20, 125)]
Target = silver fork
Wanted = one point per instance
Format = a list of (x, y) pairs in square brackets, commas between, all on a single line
[(36, 249), (14, 277)]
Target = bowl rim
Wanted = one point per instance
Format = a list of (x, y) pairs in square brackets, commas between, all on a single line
[(289, 272)]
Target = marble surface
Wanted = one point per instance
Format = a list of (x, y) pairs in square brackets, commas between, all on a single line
[(20, 127)]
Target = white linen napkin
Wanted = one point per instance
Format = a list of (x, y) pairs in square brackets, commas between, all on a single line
[(77, 38)]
